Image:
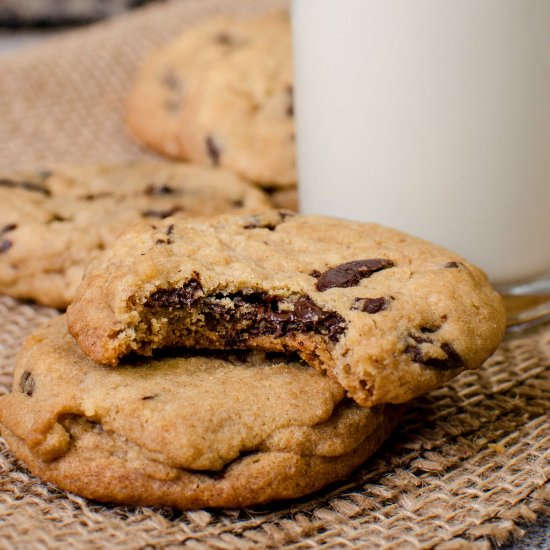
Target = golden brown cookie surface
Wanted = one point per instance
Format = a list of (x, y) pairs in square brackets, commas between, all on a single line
[(221, 94), (54, 222), (185, 431), (389, 316)]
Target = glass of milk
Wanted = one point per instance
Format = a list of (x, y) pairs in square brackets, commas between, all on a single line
[(432, 116)]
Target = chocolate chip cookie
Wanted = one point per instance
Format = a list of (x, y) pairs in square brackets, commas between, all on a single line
[(53, 222), (221, 94), (387, 315), (183, 431)]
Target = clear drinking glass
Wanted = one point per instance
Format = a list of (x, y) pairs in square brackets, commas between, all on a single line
[(433, 116)]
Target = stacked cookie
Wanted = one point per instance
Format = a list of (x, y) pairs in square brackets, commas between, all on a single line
[(235, 360)]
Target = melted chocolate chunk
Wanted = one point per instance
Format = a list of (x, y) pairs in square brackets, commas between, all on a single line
[(5, 245), (213, 150), (451, 362), (350, 273), (252, 314), (161, 214), (186, 295), (26, 185), (262, 314), (371, 305), (159, 190), (7, 228), (26, 383)]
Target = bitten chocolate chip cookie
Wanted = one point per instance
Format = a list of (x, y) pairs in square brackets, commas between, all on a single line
[(53, 222), (221, 94), (180, 431), (387, 315)]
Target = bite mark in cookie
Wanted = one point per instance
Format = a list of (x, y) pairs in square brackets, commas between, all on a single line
[(383, 319)]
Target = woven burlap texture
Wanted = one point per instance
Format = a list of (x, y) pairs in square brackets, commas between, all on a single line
[(468, 465)]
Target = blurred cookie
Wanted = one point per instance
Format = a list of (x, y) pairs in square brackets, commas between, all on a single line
[(15, 13), (285, 199), (387, 315), (188, 432), (221, 95), (53, 222)]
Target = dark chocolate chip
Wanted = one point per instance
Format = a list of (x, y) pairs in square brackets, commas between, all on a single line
[(315, 273), (452, 265), (26, 383), (451, 362), (148, 397), (186, 295), (213, 150), (161, 214), (5, 245), (171, 81), (224, 38), (163, 189), (350, 273), (290, 107), (96, 196), (429, 329), (26, 185), (259, 225), (371, 305), (170, 229), (58, 218), (7, 228), (172, 105)]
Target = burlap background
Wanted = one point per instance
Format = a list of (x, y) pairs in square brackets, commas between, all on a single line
[(468, 466)]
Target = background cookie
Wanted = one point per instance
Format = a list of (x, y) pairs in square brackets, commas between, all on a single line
[(180, 431), (387, 315), (221, 94), (53, 222)]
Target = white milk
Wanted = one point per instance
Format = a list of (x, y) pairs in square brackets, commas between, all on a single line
[(431, 116)]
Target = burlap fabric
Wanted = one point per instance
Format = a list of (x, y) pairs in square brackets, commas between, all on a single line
[(467, 467)]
